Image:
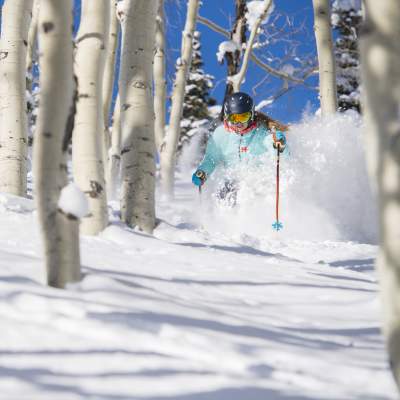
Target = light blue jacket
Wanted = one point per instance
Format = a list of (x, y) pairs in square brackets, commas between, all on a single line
[(228, 149)]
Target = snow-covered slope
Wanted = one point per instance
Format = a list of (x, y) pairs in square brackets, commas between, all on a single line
[(215, 306), (189, 314)]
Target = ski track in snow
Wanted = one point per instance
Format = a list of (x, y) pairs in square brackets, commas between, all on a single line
[(189, 314)]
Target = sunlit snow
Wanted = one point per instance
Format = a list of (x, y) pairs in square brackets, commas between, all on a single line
[(216, 305)]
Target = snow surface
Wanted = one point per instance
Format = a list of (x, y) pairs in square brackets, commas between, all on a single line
[(215, 305)]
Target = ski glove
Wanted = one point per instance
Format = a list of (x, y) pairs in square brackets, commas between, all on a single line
[(280, 139), (199, 177)]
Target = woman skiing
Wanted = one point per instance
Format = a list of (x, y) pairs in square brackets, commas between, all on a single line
[(242, 137)]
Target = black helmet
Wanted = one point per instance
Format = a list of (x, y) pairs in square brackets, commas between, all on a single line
[(238, 103)]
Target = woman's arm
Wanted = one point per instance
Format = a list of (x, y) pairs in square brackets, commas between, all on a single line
[(211, 158)]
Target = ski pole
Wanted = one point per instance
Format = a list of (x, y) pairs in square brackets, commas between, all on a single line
[(277, 225), (201, 175)]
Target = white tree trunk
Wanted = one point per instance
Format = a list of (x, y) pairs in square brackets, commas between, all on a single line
[(238, 79), (87, 150), (160, 81), (326, 58), (114, 164), (109, 76), (380, 55), (60, 232), (168, 152), (16, 16), (32, 37), (138, 149)]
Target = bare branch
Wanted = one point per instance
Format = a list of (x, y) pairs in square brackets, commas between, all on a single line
[(279, 74)]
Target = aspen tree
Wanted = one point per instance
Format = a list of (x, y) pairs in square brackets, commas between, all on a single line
[(238, 36), (60, 231), (138, 20), (32, 37), (326, 58), (160, 81), (168, 152), (16, 16), (108, 80), (380, 56), (114, 164), (87, 144), (238, 79)]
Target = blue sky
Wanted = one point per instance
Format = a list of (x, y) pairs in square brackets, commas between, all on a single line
[(289, 107)]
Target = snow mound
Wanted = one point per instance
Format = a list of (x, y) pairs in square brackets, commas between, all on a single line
[(73, 201), (9, 202)]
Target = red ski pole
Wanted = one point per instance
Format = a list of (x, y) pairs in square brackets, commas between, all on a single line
[(277, 225)]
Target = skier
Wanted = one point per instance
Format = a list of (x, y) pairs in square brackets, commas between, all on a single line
[(242, 137)]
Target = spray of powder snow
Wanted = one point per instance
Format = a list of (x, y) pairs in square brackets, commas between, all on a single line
[(325, 192)]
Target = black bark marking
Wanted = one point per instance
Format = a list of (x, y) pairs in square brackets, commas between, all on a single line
[(125, 106), (25, 43), (69, 216), (3, 55), (69, 126), (83, 96), (47, 27), (47, 135), (125, 150), (96, 189)]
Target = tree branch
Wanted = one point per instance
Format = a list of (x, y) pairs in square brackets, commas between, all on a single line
[(279, 74), (249, 47)]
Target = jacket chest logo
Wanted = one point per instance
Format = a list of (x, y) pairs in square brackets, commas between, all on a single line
[(244, 149)]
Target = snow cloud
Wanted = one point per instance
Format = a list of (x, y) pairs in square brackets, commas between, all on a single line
[(324, 187)]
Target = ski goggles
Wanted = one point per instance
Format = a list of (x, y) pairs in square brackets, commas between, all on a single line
[(239, 118)]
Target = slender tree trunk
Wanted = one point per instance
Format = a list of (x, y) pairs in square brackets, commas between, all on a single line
[(168, 152), (380, 56), (31, 55), (87, 152), (109, 76), (16, 16), (138, 148), (160, 81), (238, 35), (60, 232), (326, 58), (237, 81), (113, 167)]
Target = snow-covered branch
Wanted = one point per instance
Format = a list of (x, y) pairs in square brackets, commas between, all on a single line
[(277, 73), (254, 18)]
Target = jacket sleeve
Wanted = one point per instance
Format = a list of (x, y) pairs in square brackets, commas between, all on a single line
[(212, 157)]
